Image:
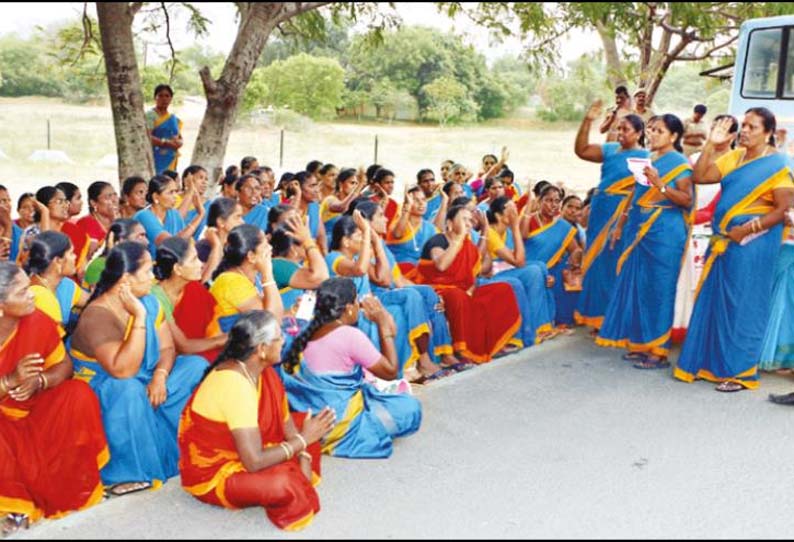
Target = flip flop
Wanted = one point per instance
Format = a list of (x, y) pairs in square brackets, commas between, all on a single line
[(729, 387), (459, 367), (651, 364), (424, 379), (117, 491), (634, 356)]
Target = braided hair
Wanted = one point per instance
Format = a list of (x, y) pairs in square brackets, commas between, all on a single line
[(126, 257), (333, 296), (250, 330)]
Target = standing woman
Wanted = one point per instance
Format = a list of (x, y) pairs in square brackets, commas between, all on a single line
[(122, 349), (239, 444), (50, 264), (103, 207), (50, 425), (609, 200), (161, 220), (639, 316), (346, 190), (732, 308), (164, 131)]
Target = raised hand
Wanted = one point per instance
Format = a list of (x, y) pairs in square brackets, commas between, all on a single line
[(298, 230), (720, 133), (595, 110), (361, 222), (505, 155)]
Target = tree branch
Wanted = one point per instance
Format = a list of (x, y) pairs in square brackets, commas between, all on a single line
[(691, 35), (709, 52), (170, 43), (287, 10), (134, 8), (210, 88)]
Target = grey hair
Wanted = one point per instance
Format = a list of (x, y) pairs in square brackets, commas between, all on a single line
[(8, 272)]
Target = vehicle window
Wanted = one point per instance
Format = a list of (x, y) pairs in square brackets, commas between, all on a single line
[(788, 87), (761, 66)]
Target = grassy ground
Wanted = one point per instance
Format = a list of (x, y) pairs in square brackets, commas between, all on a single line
[(85, 134)]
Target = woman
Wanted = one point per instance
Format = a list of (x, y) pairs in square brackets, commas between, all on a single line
[(122, 229), (186, 303), (26, 208), (639, 317), (133, 196), (164, 130), (492, 189), (777, 348), (608, 202), (334, 356), (244, 279), (412, 230), (239, 444), (223, 215), (303, 193), (74, 196), (248, 196), (103, 205), (402, 297), (353, 249), (122, 349), (346, 189), (732, 308), (548, 238), (53, 444), (161, 220), (50, 264), (529, 279), (328, 180), (292, 246), (195, 177), (451, 263)]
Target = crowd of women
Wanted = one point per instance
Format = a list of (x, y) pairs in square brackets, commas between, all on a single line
[(233, 340)]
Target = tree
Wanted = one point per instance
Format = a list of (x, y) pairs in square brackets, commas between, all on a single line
[(448, 101), (658, 33)]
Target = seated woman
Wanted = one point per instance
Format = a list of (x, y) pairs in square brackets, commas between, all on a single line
[(26, 209), (223, 215), (121, 348), (412, 230), (244, 279), (133, 196), (248, 196), (49, 266), (103, 205), (346, 190), (239, 444), (161, 220), (394, 290), (530, 280), (547, 238), (51, 440), (188, 306), (492, 189), (122, 229), (353, 249), (334, 355), (451, 263), (195, 177)]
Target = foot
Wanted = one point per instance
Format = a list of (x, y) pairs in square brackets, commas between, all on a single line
[(785, 399), (651, 362), (634, 356), (729, 386), (594, 333), (448, 360), (426, 365), (412, 375), (14, 522)]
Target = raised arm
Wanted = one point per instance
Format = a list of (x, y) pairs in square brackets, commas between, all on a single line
[(582, 147), (706, 170)]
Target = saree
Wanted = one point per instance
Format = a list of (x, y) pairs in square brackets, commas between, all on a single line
[(229, 290), (367, 420), (408, 249), (142, 439), (52, 445), (734, 297), (478, 331), (165, 126), (173, 224), (191, 214), (212, 471), (549, 244), (329, 218), (193, 313), (639, 315), (257, 216), (58, 305), (406, 306), (777, 348), (433, 206), (600, 262), (80, 242)]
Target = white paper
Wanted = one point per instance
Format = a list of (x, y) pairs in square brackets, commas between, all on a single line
[(753, 236), (306, 306), (637, 167)]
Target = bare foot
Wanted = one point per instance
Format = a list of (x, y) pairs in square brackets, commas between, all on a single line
[(448, 360), (426, 365), (14, 522)]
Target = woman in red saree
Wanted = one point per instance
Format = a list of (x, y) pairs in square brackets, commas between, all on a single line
[(482, 319), (239, 445), (52, 444)]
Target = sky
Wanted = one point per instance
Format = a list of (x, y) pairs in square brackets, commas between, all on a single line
[(22, 18)]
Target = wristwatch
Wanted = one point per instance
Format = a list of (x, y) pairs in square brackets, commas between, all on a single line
[(663, 189)]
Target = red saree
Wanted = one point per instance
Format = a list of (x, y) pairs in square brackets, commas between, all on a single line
[(194, 312), (52, 445), (482, 323), (80, 241), (212, 471)]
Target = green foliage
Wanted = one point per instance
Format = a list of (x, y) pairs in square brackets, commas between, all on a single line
[(311, 86), (448, 101), (26, 68), (567, 98)]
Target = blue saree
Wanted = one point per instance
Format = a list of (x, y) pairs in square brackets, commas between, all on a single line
[(257, 216), (777, 348), (173, 224), (409, 247), (164, 127), (600, 262), (734, 297), (639, 315)]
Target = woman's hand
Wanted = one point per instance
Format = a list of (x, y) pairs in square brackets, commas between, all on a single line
[(26, 389), (505, 155), (483, 218), (653, 176), (595, 110), (512, 216), (264, 264), (615, 236), (361, 222), (720, 134), (131, 303), (29, 366), (737, 233), (315, 428), (298, 230), (41, 208), (156, 390)]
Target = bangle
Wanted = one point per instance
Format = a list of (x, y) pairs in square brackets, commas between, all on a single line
[(305, 455), (303, 441), (44, 383), (4, 384), (385, 337), (269, 283), (287, 450), (163, 370)]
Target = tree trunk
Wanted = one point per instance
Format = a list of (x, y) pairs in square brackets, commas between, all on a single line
[(614, 66), (124, 87), (257, 21)]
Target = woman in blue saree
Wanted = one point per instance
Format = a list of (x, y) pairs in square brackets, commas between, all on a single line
[(639, 316), (777, 350), (734, 297), (411, 230), (127, 356), (608, 202), (330, 357), (346, 189), (164, 130)]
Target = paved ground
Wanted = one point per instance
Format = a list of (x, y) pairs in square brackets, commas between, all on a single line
[(561, 440)]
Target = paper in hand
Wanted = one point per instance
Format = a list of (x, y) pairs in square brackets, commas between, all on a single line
[(637, 167), (306, 306)]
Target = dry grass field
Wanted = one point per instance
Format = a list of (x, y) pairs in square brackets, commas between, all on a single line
[(85, 134)]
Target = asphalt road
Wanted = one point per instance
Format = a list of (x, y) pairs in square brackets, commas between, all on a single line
[(560, 440)]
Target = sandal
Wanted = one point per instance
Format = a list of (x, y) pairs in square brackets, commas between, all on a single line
[(424, 379), (459, 367), (634, 356), (125, 488), (14, 522), (729, 386), (651, 363)]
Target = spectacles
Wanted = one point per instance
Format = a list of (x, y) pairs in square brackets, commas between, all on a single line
[(59, 201)]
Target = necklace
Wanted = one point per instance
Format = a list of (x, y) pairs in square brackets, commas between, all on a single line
[(413, 236), (247, 374)]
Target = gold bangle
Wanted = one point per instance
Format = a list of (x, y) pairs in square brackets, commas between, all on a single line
[(44, 383), (4, 384), (287, 450), (305, 454), (303, 441), (163, 370)]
